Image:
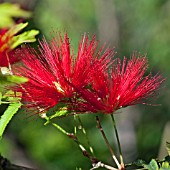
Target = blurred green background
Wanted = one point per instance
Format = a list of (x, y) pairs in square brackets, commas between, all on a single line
[(128, 26)]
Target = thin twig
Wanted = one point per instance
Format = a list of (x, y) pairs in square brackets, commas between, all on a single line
[(107, 142), (85, 134), (96, 164), (72, 136), (100, 164), (118, 141)]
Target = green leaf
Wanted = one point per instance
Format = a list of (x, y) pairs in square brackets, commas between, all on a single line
[(26, 37), (16, 40), (11, 97), (165, 166), (58, 110), (16, 28), (8, 11), (7, 116), (168, 147), (10, 79), (16, 79), (59, 113), (152, 165)]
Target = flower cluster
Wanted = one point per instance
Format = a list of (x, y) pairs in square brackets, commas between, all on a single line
[(91, 81), (124, 86)]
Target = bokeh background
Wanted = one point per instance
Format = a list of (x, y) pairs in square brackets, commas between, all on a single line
[(129, 26)]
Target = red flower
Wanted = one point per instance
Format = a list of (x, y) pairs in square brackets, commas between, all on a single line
[(55, 74), (5, 48), (124, 87)]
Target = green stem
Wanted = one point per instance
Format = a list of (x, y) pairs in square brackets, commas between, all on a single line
[(75, 125), (118, 141), (60, 129)]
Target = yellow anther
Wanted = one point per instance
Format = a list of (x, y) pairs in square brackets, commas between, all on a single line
[(58, 86)]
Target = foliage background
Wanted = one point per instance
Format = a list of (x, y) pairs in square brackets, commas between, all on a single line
[(128, 26)]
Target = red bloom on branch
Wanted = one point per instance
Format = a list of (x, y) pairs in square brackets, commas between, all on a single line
[(55, 74), (5, 47), (125, 86)]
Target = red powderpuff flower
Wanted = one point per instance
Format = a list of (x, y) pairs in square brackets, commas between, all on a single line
[(5, 48), (125, 86), (55, 73)]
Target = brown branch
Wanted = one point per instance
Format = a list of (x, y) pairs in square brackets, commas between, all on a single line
[(107, 142)]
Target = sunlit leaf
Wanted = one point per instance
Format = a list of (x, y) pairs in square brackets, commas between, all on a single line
[(8, 11), (16, 28), (168, 147), (165, 166), (152, 165), (11, 96), (26, 37), (7, 116), (8, 79), (59, 113)]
